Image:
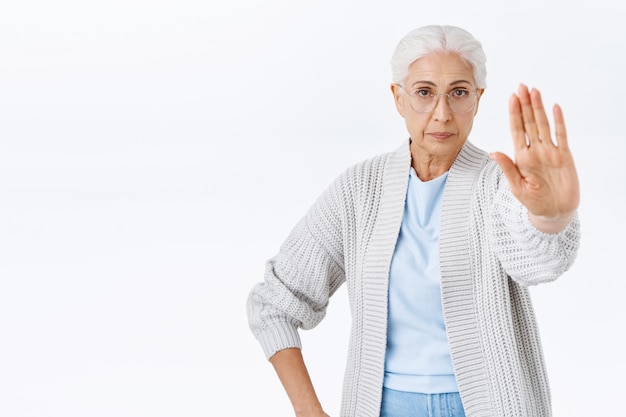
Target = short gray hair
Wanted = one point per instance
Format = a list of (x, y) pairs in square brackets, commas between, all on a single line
[(434, 39)]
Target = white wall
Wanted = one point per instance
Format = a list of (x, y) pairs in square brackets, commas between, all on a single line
[(153, 154)]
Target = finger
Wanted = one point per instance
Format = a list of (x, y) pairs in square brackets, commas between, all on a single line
[(559, 128), (528, 115), (509, 169), (516, 123), (541, 119)]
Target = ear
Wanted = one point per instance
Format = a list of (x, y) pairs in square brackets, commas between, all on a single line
[(480, 94), (398, 98)]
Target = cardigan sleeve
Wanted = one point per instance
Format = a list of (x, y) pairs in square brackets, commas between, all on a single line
[(300, 279), (528, 255)]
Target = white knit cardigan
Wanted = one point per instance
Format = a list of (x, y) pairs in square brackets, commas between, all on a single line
[(489, 253)]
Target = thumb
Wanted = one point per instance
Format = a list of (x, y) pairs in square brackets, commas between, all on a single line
[(509, 168)]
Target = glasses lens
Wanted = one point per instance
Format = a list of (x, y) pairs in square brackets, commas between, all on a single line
[(423, 103), (461, 104)]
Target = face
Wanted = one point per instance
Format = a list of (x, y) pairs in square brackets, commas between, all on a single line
[(441, 133)]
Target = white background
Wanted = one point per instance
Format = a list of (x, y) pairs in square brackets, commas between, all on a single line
[(153, 155)]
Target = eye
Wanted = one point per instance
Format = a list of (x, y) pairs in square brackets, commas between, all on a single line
[(459, 93), (422, 93)]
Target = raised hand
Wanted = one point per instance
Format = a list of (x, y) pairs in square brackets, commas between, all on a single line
[(543, 177)]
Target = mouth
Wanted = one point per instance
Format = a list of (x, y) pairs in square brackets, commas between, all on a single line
[(441, 135)]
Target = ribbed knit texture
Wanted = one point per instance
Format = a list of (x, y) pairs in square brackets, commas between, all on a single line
[(489, 254)]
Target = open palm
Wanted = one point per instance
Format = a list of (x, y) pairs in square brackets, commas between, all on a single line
[(543, 177)]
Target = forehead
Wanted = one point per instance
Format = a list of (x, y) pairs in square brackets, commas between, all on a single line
[(440, 69)]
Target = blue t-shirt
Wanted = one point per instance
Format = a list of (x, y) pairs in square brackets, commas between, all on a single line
[(418, 355)]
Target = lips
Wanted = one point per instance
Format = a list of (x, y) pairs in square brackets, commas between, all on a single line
[(441, 135)]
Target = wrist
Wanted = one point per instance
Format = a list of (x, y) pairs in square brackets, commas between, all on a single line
[(314, 410), (551, 224)]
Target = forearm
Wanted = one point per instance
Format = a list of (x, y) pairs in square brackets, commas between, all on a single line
[(291, 370), (531, 250)]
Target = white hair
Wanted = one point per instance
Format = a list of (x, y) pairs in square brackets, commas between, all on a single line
[(434, 39)]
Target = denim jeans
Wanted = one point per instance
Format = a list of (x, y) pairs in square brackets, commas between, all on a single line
[(411, 404)]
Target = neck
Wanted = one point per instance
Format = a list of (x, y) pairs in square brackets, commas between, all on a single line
[(429, 166)]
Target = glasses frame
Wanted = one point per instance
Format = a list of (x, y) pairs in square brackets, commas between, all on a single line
[(436, 100)]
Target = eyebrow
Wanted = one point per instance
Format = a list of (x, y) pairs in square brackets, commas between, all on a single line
[(457, 82)]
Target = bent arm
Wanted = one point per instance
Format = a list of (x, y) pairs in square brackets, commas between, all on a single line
[(298, 284), (293, 374)]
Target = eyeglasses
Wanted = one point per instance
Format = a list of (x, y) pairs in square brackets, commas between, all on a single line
[(460, 100)]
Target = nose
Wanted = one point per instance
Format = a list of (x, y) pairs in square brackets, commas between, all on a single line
[(442, 111)]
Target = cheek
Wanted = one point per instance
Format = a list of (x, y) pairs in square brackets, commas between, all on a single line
[(466, 125), (416, 125)]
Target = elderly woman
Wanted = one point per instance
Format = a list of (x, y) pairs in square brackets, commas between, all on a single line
[(438, 243)]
